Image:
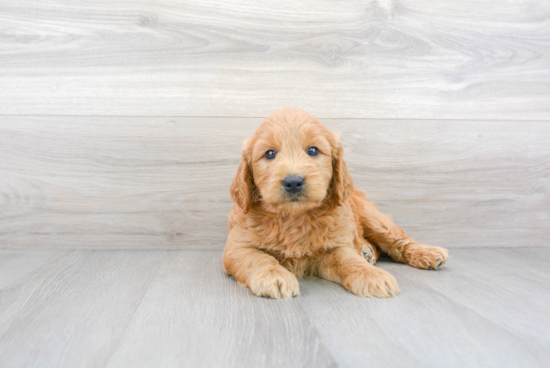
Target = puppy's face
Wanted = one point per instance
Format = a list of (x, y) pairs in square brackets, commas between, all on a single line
[(291, 164)]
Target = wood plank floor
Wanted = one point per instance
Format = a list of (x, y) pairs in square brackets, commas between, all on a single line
[(163, 183), (120, 308), (422, 59)]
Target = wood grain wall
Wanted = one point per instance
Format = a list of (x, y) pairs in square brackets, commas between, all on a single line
[(163, 182), (422, 59), (121, 122)]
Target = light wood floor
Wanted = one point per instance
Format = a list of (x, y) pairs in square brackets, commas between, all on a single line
[(120, 308)]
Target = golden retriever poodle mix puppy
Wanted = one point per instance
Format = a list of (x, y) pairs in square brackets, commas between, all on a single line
[(297, 214)]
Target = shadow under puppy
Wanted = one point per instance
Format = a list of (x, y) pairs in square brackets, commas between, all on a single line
[(297, 214)]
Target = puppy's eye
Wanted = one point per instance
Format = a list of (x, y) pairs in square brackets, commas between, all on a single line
[(270, 155), (313, 151)]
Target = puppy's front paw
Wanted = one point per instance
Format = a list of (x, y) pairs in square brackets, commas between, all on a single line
[(275, 282), (372, 282), (427, 257)]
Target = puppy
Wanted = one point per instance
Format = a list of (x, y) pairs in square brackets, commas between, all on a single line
[(297, 214)]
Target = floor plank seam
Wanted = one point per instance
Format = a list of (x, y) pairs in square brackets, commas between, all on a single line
[(313, 326), (497, 326), (131, 317)]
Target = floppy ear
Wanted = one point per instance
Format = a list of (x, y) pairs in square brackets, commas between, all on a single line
[(341, 185), (242, 186)]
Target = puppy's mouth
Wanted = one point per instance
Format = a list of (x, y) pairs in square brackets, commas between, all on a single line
[(298, 197)]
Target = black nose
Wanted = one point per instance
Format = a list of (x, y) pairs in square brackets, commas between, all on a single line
[(293, 184)]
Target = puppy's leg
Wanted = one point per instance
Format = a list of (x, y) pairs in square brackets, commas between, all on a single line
[(344, 266), (258, 270), (391, 239)]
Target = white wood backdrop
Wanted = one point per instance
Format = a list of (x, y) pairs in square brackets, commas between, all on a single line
[(163, 182), (121, 121), (422, 59)]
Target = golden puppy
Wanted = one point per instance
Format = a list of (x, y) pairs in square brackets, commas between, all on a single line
[(298, 214)]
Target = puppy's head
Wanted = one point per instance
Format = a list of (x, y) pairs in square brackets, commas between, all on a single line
[(292, 164)]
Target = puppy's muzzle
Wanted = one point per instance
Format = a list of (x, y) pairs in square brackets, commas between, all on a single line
[(293, 184)]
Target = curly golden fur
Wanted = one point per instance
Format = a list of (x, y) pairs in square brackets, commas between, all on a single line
[(328, 229)]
